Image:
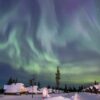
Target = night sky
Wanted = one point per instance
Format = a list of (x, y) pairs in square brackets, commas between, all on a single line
[(36, 36)]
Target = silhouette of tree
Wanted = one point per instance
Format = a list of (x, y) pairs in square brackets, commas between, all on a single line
[(30, 82), (95, 83), (16, 80), (74, 89), (65, 89), (80, 88), (39, 85), (1, 90), (48, 87), (10, 81), (57, 77), (70, 89)]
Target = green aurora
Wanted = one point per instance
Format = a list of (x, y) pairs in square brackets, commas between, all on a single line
[(39, 35)]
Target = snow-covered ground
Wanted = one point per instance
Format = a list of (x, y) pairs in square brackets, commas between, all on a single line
[(70, 96)]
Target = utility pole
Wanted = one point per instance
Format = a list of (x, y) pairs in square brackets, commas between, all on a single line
[(31, 83)]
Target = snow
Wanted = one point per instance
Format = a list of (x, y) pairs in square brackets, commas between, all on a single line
[(20, 88), (91, 87), (32, 89), (58, 98), (45, 92), (15, 88), (97, 86), (67, 96)]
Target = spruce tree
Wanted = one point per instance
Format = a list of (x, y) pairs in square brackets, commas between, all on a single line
[(57, 77), (65, 89), (10, 81)]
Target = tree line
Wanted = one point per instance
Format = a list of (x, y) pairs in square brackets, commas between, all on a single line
[(66, 89)]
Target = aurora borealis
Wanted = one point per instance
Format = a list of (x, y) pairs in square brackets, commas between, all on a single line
[(39, 35)]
